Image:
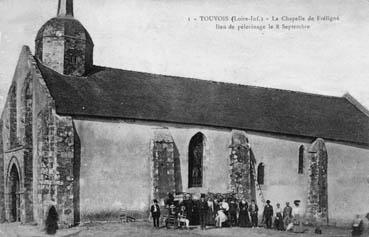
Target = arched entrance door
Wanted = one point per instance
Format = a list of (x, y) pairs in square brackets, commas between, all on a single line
[(14, 194)]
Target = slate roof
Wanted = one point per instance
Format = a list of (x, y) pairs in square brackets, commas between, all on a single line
[(115, 93), (69, 25)]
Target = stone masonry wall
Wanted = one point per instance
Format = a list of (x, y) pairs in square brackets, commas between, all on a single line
[(17, 134), (54, 159), (77, 56), (44, 159), (163, 161), (240, 175), (317, 202), (76, 176), (53, 53), (55, 151), (2, 181), (65, 162), (26, 132)]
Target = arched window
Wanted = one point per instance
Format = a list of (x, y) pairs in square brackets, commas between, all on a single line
[(14, 196), (195, 157), (28, 114), (13, 117), (301, 159), (261, 173)]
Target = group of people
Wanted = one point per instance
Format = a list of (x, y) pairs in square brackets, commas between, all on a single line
[(227, 213)]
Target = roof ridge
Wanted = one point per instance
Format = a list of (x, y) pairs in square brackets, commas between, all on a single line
[(356, 103)]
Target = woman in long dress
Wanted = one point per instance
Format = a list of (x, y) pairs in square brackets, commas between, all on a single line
[(210, 215), (244, 220), (216, 209), (297, 217), (52, 221), (278, 222)]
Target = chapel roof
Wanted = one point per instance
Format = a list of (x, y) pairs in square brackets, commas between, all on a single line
[(123, 94)]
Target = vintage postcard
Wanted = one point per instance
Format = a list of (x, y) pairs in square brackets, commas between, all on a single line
[(184, 118)]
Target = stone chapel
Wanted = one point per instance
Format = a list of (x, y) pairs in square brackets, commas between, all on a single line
[(89, 140)]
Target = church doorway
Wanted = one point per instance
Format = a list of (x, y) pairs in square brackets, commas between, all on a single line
[(14, 196)]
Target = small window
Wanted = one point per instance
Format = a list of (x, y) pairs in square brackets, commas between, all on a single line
[(301, 159), (261, 173), (74, 59)]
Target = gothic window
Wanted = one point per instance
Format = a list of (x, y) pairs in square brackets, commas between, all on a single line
[(301, 159), (195, 157), (28, 113), (13, 117), (261, 173)]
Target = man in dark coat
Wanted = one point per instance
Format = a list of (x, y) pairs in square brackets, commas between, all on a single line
[(233, 213), (287, 214), (203, 210), (188, 203), (155, 213), (268, 214)]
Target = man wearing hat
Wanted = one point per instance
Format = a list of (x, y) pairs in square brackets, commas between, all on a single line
[(188, 203), (203, 210), (268, 214), (155, 213)]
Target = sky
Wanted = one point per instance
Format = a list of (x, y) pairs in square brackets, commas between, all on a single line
[(330, 58)]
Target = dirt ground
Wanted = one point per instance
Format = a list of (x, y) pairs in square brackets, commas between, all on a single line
[(144, 229)]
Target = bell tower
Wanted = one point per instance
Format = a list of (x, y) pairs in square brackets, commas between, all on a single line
[(65, 8), (63, 44)]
